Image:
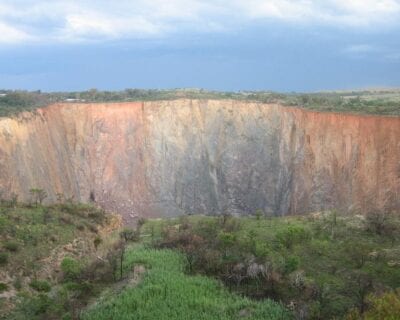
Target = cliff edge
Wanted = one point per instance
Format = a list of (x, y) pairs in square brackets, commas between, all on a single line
[(165, 158)]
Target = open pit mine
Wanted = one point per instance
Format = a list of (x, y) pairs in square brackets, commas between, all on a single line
[(166, 158)]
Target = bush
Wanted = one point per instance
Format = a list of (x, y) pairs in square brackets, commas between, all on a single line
[(71, 268), (3, 287), (380, 223), (40, 285), (3, 258), (129, 235), (292, 235), (97, 215), (97, 241), (11, 246), (66, 219), (291, 264), (17, 283), (80, 227), (92, 227), (386, 307), (259, 214), (34, 307), (141, 222)]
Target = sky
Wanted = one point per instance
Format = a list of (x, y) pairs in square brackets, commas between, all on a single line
[(226, 45)]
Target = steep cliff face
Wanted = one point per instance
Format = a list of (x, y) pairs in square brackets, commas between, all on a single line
[(169, 157)]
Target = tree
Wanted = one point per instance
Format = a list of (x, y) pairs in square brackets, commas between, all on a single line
[(38, 195), (361, 286), (60, 197), (259, 214)]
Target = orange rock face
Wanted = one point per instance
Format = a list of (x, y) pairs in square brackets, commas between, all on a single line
[(191, 156)]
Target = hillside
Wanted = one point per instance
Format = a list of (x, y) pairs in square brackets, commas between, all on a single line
[(71, 261), (65, 261), (34, 241)]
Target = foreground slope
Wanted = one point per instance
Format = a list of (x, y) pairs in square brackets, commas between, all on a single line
[(164, 158)]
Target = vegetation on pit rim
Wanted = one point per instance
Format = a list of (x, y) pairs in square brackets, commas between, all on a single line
[(384, 102)]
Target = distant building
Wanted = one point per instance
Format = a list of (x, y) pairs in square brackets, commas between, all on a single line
[(3, 94), (74, 100)]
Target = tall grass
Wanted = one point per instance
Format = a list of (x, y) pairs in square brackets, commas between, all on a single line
[(167, 293)]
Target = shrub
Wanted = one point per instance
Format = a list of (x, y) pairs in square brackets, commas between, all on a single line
[(292, 235), (380, 223), (259, 214), (80, 227), (17, 283), (97, 214), (140, 224), (11, 246), (40, 285), (227, 239), (92, 227), (97, 241), (71, 268), (34, 307), (129, 235), (66, 219), (358, 254), (3, 287), (386, 306), (291, 264), (3, 258)]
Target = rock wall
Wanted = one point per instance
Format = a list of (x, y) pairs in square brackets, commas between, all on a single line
[(166, 158)]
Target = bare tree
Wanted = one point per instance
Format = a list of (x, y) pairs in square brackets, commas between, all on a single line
[(38, 195)]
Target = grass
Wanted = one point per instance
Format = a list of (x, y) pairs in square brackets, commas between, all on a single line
[(166, 292), (327, 264)]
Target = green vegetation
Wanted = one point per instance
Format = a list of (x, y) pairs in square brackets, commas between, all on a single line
[(36, 241), (40, 285), (30, 233), (71, 268), (3, 258), (384, 102), (383, 307), (60, 265), (3, 287), (321, 266), (167, 293), (11, 246)]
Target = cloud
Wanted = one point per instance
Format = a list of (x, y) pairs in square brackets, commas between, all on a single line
[(353, 13), (10, 34), (89, 20), (88, 26)]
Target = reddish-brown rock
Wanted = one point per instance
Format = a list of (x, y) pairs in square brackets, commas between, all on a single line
[(169, 157)]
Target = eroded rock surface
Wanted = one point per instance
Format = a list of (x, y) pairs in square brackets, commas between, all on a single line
[(191, 156)]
